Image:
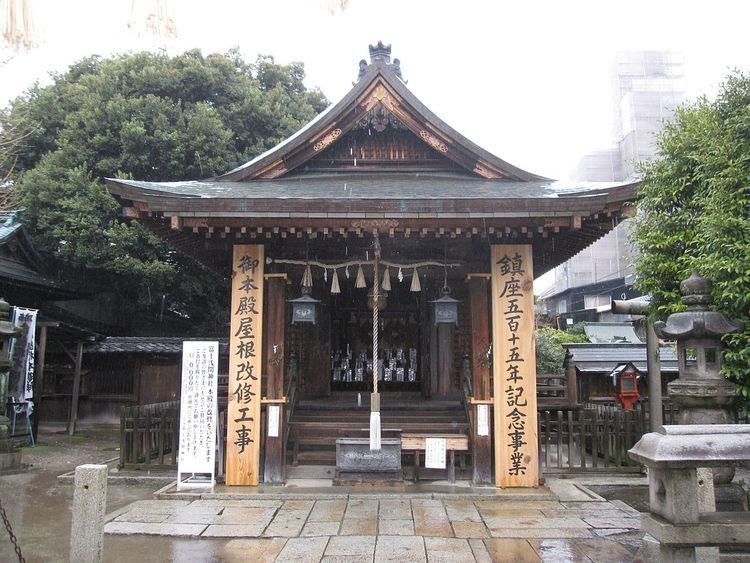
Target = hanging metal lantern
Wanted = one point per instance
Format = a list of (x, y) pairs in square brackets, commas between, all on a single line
[(304, 308), (446, 309)]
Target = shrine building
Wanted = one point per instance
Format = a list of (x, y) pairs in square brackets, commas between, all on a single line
[(378, 250)]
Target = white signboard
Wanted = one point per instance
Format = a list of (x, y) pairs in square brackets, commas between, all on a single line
[(21, 352), (273, 421), (483, 420), (434, 457), (198, 412)]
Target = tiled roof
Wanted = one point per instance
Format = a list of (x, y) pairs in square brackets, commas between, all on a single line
[(148, 345), (603, 358)]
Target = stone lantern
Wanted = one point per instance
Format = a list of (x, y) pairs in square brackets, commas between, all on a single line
[(702, 393), (9, 457)]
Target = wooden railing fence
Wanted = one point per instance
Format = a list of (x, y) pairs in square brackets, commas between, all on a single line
[(149, 436)]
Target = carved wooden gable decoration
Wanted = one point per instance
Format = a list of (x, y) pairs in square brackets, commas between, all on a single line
[(378, 126)]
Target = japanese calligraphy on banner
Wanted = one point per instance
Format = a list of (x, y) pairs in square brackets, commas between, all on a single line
[(514, 367), (21, 380), (198, 409), (245, 351)]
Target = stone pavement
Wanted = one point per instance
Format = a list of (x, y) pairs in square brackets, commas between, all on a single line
[(395, 528)]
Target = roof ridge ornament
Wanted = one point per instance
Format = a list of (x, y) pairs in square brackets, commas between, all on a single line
[(380, 55)]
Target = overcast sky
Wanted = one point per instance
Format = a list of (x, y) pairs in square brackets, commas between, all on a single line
[(529, 81)]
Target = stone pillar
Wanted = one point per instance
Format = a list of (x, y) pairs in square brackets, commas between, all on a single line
[(89, 506)]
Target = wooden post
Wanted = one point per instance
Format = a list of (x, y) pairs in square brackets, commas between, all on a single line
[(275, 355), (654, 378), (571, 378), (76, 389), (445, 358), (245, 353), (479, 307), (514, 366)]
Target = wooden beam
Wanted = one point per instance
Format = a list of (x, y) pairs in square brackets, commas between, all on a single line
[(39, 375), (275, 357), (76, 389)]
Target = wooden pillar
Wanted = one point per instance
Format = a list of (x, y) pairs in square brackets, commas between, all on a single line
[(479, 307), (445, 358), (76, 389), (275, 355)]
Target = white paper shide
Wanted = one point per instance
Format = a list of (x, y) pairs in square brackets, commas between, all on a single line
[(198, 411)]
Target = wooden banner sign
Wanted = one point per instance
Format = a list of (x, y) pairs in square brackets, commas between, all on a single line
[(245, 353), (514, 366)]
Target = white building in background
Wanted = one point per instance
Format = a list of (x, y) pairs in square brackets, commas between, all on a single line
[(646, 86)]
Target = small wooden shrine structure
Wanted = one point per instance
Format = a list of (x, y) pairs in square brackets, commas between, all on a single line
[(379, 182)]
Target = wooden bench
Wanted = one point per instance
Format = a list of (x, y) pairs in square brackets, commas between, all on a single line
[(418, 443)]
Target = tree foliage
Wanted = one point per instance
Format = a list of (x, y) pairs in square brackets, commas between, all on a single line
[(151, 117), (694, 212), (550, 349)]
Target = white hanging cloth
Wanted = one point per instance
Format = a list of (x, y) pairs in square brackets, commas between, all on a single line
[(360, 283)]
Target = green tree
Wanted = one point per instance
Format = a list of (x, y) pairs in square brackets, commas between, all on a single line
[(151, 117), (550, 349), (694, 212)]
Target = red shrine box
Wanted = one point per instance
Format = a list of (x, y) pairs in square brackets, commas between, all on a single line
[(625, 378)]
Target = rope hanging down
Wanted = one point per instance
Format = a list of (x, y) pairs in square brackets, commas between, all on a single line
[(375, 399)]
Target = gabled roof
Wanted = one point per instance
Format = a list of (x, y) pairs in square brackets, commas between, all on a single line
[(382, 93)]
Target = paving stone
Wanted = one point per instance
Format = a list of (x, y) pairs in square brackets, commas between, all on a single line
[(157, 505), (191, 518), (400, 548), (447, 550), (328, 511), (298, 505), (586, 513), (513, 504), (142, 517), (439, 527), (287, 523), (359, 526), (593, 505), (237, 503), (557, 550), (233, 531), (263, 550), (320, 529), (361, 508), (426, 503), (246, 516), (511, 512), (540, 533), (515, 550), (470, 530), (154, 529), (601, 550), (388, 527), (534, 522), (480, 551), (606, 522), (351, 546), (202, 508), (395, 509), (463, 510), (304, 549), (624, 507)]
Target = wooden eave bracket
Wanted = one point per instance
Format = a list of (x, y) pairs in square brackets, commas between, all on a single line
[(474, 401), (267, 401)]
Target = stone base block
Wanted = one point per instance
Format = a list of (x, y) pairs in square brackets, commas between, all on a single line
[(714, 529), (10, 461)]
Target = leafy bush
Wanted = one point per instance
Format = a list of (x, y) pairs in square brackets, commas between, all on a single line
[(550, 351)]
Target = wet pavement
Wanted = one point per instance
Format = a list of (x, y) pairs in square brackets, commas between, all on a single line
[(569, 522)]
